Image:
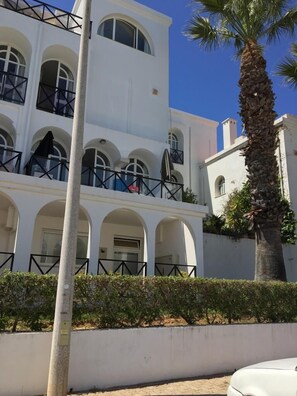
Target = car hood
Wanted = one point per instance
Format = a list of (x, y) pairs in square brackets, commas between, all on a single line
[(282, 364)]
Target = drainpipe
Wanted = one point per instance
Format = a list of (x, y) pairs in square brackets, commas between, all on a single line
[(190, 157)]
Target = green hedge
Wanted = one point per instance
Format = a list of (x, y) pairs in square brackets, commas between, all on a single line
[(27, 301)]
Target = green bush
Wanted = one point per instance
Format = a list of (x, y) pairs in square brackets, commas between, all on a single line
[(27, 301), (189, 196)]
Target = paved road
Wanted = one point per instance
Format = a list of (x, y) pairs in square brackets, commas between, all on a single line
[(201, 386)]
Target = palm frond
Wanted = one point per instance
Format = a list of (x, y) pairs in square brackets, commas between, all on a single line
[(294, 49), (286, 23), (288, 69), (276, 8), (211, 6), (202, 31)]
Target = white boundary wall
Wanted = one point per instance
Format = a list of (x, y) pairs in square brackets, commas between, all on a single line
[(228, 258), (109, 358)]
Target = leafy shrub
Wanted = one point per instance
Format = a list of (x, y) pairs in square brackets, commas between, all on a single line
[(213, 224), (189, 196), (234, 222), (27, 301)]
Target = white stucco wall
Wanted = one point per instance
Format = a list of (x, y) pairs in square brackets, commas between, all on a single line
[(229, 164), (199, 142), (109, 358), (121, 79), (288, 157), (228, 258)]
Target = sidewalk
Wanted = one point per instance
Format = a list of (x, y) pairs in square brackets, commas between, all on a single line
[(202, 386)]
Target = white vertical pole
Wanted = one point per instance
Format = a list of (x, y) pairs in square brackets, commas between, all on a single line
[(60, 351)]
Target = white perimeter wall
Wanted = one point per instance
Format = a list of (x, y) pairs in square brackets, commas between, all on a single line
[(108, 358), (228, 258)]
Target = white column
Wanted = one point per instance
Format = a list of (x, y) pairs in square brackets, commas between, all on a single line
[(94, 239), (150, 245), (197, 228), (23, 238)]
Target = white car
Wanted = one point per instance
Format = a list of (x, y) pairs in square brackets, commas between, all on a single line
[(273, 378)]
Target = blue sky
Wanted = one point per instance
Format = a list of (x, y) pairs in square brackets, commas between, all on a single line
[(205, 83)]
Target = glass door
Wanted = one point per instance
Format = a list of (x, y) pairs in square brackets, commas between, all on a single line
[(130, 259)]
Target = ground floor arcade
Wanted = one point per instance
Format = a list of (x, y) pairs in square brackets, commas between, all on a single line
[(118, 232)]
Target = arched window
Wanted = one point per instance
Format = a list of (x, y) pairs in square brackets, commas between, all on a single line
[(136, 167), (58, 162), (6, 145), (220, 186), (54, 166), (176, 152), (56, 89), (95, 168), (173, 141), (133, 175), (124, 32), (12, 71), (12, 61), (6, 141)]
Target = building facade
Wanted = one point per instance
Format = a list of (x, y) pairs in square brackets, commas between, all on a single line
[(224, 172), (132, 218)]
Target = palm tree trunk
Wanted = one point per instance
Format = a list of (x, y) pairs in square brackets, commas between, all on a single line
[(257, 114), (268, 254)]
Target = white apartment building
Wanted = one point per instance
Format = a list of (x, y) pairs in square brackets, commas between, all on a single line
[(225, 171), (221, 173), (132, 218)]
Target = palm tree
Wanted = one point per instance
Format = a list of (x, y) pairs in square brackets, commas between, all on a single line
[(248, 25), (288, 68)]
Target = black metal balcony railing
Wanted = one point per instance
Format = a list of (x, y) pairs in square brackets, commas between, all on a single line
[(46, 264), (6, 261), (121, 267), (136, 184), (45, 13), (162, 269), (13, 87), (177, 156), (49, 168), (10, 160), (55, 100), (54, 169)]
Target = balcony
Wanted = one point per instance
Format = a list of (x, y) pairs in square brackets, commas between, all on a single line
[(10, 160), (177, 156), (13, 87), (48, 168), (45, 13), (130, 183), (53, 169), (55, 100)]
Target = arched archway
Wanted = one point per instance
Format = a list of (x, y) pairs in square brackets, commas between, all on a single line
[(47, 238), (175, 248), (122, 244)]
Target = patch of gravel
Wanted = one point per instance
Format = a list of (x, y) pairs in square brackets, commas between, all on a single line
[(205, 386)]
